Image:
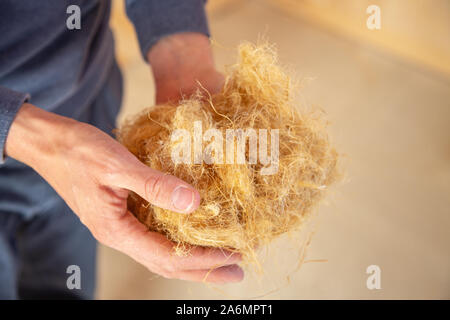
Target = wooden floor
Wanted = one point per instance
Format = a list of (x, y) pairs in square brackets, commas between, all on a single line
[(390, 118)]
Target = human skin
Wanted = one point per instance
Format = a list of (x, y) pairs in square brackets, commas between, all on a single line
[(93, 173)]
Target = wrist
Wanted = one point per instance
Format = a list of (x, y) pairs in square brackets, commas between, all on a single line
[(186, 49), (179, 62), (36, 135)]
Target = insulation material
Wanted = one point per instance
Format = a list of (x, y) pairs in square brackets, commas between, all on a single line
[(244, 206)]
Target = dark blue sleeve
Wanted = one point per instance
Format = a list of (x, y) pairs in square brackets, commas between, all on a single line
[(10, 103), (154, 19)]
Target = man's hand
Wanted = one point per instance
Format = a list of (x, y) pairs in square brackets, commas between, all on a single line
[(179, 62), (93, 173)]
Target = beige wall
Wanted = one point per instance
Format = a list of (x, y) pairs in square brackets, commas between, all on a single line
[(415, 30), (390, 118)]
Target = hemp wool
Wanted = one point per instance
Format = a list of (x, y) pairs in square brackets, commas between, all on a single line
[(240, 209)]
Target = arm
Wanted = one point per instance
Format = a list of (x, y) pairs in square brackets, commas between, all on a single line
[(93, 173), (178, 62), (173, 36)]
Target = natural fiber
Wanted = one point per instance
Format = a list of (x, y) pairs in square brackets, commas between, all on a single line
[(240, 209)]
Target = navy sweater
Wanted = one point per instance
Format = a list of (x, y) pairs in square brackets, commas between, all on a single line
[(62, 70)]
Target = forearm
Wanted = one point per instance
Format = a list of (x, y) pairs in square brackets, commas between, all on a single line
[(178, 52), (36, 135), (179, 62)]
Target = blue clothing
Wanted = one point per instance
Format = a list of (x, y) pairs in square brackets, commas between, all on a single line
[(40, 237), (62, 69), (71, 73), (35, 254)]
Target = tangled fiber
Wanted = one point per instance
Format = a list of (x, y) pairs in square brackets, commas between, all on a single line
[(241, 209)]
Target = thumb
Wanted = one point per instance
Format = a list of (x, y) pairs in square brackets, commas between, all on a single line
[(160, 189)]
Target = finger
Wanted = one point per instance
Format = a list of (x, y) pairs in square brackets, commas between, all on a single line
[(162, 190), (226, 274), (197, 258), (205, 258), (155, 251)]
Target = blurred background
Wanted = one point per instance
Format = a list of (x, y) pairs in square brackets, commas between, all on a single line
[(386, 93)]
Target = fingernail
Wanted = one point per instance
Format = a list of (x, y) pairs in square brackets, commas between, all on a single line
[(182, 198), (235, 272)]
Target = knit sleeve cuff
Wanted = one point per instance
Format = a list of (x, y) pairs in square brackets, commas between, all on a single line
[(10, 103), (155, 19)]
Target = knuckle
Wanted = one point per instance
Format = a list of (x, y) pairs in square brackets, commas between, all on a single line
[(170, 268), (167, 274), (115, 203), (203, 253), (154, 185)]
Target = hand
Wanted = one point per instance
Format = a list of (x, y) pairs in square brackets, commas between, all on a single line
[(93, 173), (179, 62)]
